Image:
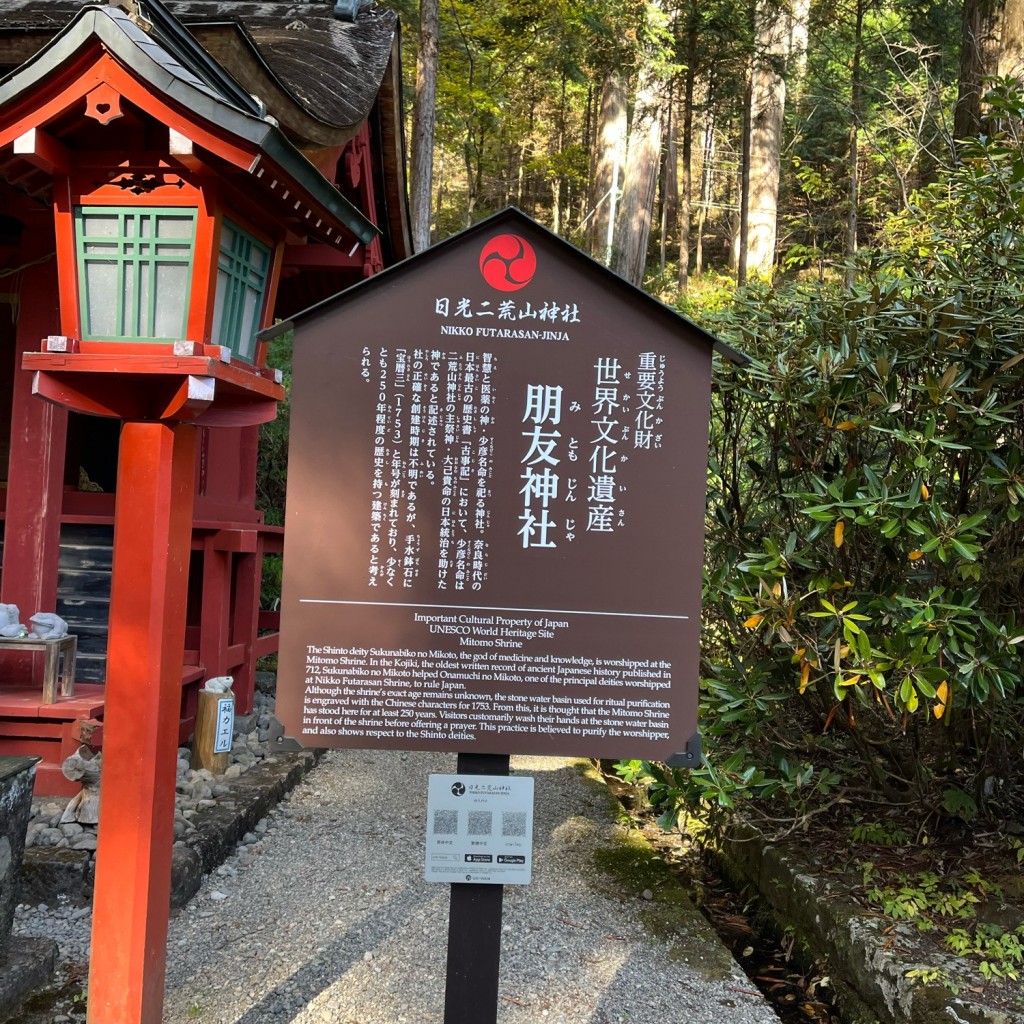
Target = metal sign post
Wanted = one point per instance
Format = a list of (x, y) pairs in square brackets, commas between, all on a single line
[(474, 930)]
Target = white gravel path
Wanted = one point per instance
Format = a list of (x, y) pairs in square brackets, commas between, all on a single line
[(332, 923)]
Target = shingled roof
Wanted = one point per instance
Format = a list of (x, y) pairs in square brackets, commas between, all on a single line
[(317, 74)]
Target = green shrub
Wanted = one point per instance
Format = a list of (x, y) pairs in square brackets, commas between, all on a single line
[(864, 556)]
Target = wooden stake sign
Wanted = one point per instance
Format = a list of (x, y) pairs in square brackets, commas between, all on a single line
[(495, 524)]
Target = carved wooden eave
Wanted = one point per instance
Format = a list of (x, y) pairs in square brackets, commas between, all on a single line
[(102, 59)]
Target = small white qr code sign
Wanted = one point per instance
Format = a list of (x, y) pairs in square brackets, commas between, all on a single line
[(479, 829)]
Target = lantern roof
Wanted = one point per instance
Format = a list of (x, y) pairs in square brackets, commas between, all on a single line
[(157, 52)]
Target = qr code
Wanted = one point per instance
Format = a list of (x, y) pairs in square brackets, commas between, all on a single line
[(513, 823), (480, 823), (446, 822)]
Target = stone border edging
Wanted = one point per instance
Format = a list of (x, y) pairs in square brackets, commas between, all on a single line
[(872, 983), (51, 871)]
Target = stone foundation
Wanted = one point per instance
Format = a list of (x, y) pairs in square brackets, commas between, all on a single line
[(17, 775)]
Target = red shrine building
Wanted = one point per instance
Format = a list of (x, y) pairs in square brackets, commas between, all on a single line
[(175, 175)]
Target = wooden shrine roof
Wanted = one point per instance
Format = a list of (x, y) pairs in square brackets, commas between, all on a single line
[(317, 74)]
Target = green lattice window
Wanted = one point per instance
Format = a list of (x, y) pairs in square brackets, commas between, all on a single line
[(135, 270), (242, 268)]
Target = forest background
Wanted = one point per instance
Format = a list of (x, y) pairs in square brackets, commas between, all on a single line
[(837, 189)]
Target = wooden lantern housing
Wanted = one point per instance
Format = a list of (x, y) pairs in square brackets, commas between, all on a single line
[(173, 197)]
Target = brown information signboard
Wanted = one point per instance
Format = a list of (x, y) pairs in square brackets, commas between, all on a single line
[(496, 485)]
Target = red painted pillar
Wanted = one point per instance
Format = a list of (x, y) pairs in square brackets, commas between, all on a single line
[(155, 486), (35, 484), (245, 622)]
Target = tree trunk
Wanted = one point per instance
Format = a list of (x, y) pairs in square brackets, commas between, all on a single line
[(853, 189), (767, 106), (559, 184), (610, 156), (686, 210), (1011, 40), (643, 159), (978, 28), (744, 190), (423, 121), (706, 182), (669, 185)]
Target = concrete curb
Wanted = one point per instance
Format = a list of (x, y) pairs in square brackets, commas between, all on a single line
[(871, 981)]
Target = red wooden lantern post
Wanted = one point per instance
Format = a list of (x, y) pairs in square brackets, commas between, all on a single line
[(147, 628)]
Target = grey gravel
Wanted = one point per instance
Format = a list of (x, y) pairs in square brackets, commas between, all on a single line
[(332, 923), (324, 917)]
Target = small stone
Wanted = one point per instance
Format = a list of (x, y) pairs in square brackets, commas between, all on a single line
[(647, 894), (250, 839), (266, 682), (262, 825), (50, 836), (85, 842), (244, 724), (221, 790), (34, 830), (217, 895), (72, 828), (233, 771), (368, 956)]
